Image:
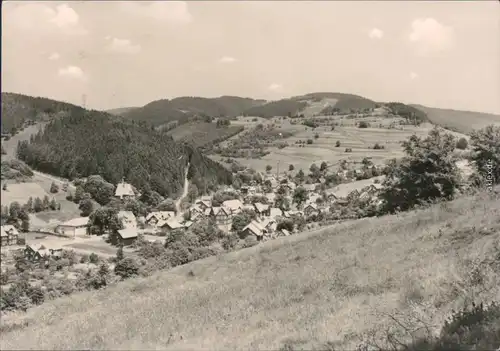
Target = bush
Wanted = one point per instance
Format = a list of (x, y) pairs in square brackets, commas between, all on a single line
[(472, 328), (363, 124), (309, 141), (377, 146), (337, 144), (348, 149), (316, 136), (462, 144), (127, 268), (54, 188)]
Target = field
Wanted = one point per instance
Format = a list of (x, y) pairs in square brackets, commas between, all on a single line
[(333, 285), (360, 140), (201, 133), (461, 121)]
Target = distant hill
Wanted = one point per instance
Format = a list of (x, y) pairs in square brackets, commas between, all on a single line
[(94, 142), (185, 109), (459, 121), (20, 110), (298, 104), (120, 111)]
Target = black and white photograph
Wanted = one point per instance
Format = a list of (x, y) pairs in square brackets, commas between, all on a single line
[(250, 175)]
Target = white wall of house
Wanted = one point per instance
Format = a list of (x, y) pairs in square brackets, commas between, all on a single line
[(72, 231)]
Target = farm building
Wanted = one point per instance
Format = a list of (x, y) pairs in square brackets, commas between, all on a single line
[(311, 209), (9, 235), (169, 225), (261, 209), (234, 205), (128, 219), (221, 215), (37, 252), (254, 228), (269, 224), (74, 227), (124, 191), (127, 236), (154, 217), (203, 204)]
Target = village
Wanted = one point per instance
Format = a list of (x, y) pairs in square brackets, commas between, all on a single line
[(268, 209)]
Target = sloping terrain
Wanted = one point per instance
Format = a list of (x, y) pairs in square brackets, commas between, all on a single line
[(18, 110), (185, 109), (94, 142), (202, 133), (460, 121), (332, 285)]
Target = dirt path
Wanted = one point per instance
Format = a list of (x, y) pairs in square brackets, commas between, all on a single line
[(184, 193)]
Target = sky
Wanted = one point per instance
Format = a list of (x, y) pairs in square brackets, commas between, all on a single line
[(120, 54)]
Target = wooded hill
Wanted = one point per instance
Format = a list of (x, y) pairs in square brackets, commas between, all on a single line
[(94, 142), (19, 110), (184, 109)]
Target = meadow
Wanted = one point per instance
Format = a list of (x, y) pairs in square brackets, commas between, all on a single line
[(340, 285), (323, 147)]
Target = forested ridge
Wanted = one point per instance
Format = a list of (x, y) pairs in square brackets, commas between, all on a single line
[(93, 142)]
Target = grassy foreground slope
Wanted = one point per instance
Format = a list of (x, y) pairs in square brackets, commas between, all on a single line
[(460, 121), (326, 286)]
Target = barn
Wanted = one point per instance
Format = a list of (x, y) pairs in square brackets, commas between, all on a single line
[(74, 227)]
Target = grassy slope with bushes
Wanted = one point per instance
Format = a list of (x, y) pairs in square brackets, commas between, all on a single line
[(337, 286)]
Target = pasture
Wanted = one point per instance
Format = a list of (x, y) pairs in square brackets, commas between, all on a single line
[(323, 148), (202, 133)]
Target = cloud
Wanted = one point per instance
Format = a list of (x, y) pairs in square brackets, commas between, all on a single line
[(54, 56), (376, 33), (42, 17), (176, 12), (413, 75), (275, 87), (227, 59), (124, 46), (73, 72), (428, 36)]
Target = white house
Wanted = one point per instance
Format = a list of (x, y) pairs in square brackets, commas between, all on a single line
[(124, 190), (74, 227)]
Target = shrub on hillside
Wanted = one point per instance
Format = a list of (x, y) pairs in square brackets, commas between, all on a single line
[(462, 144), (426, 174), (377, 146), (54, 188), (309, 141), (337, 144), (363, 124), (126, 268)]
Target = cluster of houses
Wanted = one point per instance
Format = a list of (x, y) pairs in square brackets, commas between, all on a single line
[(264, 227)]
